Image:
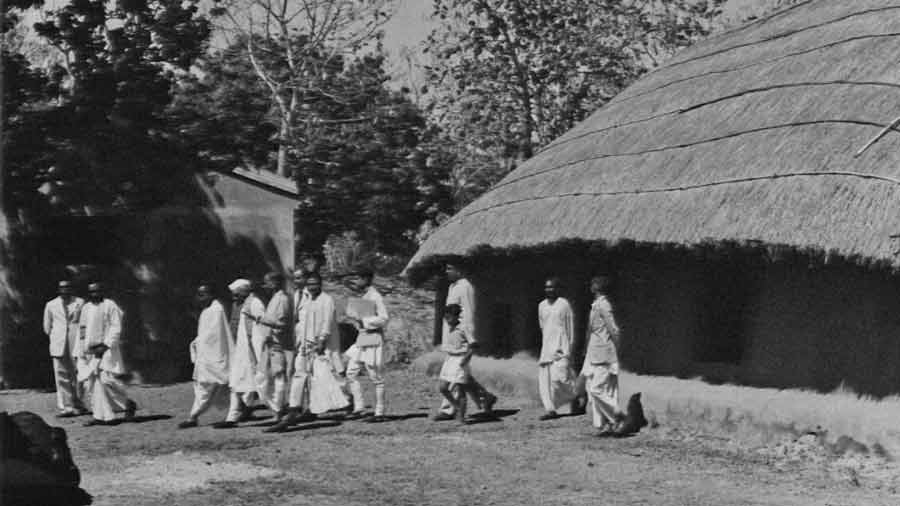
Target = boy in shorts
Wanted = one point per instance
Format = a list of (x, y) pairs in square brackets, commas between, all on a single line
[(454, 377)]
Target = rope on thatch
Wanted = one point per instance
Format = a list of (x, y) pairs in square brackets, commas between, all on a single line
[(600, 156), (780, 35), (750, 179), (878, 137), (762, 19), (732, 96), (618, 101)]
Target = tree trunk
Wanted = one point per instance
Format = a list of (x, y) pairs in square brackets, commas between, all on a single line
[(4, 229), (282, 165)]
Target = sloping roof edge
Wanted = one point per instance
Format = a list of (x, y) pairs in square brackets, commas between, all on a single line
[(266, 180)]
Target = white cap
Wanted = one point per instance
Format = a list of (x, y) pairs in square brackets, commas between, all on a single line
[(240, 285)]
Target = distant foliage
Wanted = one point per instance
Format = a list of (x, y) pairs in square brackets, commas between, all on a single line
[(90, 134), (508, 76)]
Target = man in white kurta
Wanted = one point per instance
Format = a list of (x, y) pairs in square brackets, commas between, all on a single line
[(211, 353), (61, 318), (246, 307), (315, 334), (601, 361), (462, 293), (368, 350), (555, 378), (99, 353)]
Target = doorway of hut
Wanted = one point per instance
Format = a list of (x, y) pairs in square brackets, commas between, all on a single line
[(724, 300)]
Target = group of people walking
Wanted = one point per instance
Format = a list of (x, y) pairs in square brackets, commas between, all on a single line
[(283, 350)]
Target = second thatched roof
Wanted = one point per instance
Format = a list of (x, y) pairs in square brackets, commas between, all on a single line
[(748, 137)]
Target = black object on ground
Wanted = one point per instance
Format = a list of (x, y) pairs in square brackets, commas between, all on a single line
[(36, 466)]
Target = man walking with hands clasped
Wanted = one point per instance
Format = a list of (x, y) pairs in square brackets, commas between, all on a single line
[(555, 377)]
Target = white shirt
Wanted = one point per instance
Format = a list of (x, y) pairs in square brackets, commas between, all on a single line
[(557, 325), (462, 293), (381, 317), (602, 333)]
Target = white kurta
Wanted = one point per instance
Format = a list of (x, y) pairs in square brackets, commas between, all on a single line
[(462, 293), (316, 322), (211, 349), (247, 346), (555, 377), (601, 364), (101, 322)]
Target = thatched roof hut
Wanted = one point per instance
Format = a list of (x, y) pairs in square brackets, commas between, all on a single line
[(746, 142), (747, 137)]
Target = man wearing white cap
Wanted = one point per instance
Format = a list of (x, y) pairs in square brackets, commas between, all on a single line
[(61, 316), (246, 306), (210, 352)]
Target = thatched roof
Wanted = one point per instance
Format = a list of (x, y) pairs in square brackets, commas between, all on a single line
[(748, 137)]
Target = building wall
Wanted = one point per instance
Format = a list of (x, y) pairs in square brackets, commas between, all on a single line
[(261, 216), (725, 317)]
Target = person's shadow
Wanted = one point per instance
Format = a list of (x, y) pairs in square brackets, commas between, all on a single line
[(318, 424), (149, 418), (496, 415), (396, 418)]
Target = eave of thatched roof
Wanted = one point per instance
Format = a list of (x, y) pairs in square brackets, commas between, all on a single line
[(748, 137)]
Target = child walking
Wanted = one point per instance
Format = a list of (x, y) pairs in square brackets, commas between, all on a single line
[(454, 377)]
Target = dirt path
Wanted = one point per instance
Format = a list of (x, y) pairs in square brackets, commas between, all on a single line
[(411, 460)]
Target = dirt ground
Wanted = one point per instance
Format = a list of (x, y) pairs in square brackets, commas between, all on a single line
[(412, 460)]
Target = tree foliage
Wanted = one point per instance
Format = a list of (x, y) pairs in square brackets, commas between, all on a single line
[(296, 48), (95, 135), (508, 76)]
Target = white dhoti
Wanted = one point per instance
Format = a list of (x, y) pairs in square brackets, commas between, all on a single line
[(205, 394), (556, 384), (326, 392), (237, 403), (108, 395), (602, 384), (372, 359), (68, 389), (242, 373)]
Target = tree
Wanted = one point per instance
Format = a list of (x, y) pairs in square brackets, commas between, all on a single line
[(362, 176), (508, 76), (225, 111), (357, 166), (295, 47), (90, 135)]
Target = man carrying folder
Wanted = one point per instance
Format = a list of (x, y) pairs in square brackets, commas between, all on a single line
[(369, 315)]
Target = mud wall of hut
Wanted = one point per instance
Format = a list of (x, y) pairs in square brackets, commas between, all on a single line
[(732, 316)]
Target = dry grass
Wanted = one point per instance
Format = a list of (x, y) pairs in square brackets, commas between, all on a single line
[(841, 419)]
